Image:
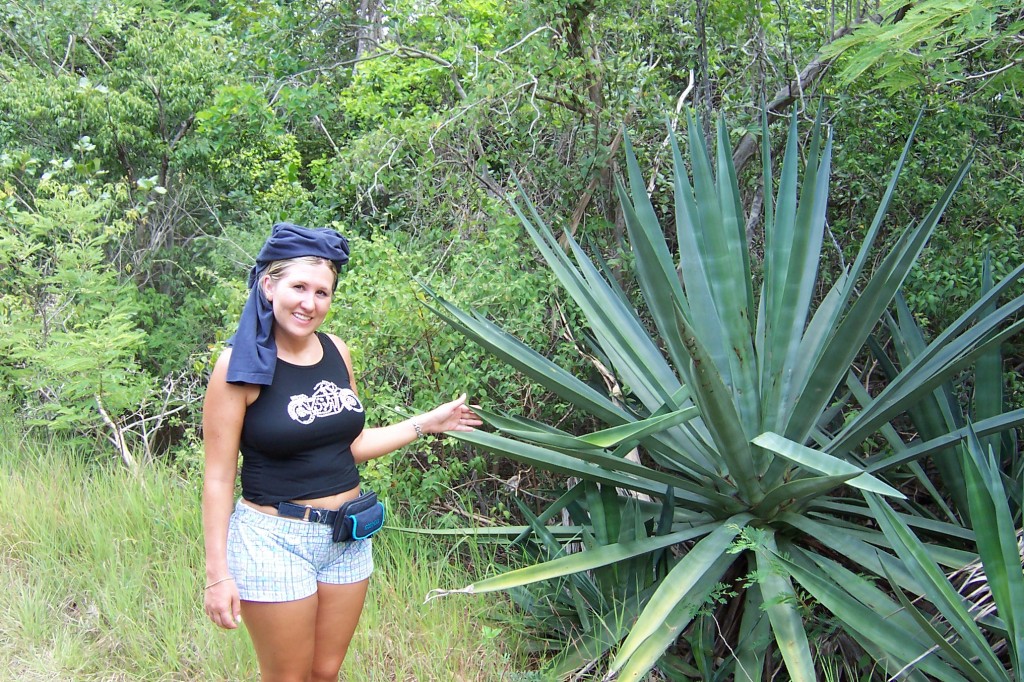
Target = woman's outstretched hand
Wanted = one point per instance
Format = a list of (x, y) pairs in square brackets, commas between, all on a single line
[(453, 416)]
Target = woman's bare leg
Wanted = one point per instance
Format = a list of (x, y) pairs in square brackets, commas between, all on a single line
[(337, 615), (305, 640), (283, 634)]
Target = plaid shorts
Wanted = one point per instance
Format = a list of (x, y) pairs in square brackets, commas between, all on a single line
[(273, 558)]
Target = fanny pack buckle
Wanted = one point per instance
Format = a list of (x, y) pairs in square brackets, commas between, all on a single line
[(315, 515), (306, 513)]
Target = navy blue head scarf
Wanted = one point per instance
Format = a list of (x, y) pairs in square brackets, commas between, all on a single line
[(254, 352)]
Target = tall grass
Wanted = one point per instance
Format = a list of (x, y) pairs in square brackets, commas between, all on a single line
[(100, 579)]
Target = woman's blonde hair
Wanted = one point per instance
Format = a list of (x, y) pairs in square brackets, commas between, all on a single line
[(276, 269)]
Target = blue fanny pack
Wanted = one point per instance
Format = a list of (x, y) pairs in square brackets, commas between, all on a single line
[(359, 519)]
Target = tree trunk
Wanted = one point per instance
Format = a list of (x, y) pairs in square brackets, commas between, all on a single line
[(368, 32), (784, 99)]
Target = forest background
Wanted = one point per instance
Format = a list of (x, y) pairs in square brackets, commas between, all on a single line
[(146, 147)]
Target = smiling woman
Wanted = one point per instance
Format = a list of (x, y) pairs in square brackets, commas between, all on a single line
[(290, 557)]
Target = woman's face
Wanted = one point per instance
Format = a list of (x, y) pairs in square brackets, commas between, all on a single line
[(300, 297)]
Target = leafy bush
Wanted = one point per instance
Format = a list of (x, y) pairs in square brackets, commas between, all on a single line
[(69, 350), (987, 215), (76, 357)]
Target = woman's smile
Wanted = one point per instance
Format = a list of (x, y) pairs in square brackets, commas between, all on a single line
[(301, 297)]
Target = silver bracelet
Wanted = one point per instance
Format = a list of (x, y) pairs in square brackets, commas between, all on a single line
[(418, 429)]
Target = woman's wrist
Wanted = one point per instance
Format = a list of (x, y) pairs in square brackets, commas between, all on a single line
[(216, 573), (218, 582), (417, 428)]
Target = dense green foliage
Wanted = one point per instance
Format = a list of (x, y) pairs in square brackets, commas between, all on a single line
[(936, 44), (177, 132), (146, 146)]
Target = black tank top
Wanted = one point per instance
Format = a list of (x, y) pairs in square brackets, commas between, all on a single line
[(297, 434)]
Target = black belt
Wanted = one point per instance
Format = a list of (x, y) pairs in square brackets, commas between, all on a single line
[(356, 519), (307, 513)]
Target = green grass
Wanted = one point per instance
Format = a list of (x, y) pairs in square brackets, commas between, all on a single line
[(100, 577)]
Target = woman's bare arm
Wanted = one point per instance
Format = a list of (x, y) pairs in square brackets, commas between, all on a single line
[(223, 412), (375, 442)]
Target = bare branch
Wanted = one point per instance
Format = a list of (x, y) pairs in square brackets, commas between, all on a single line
[(67, 52), (571, 106), (95, 51), (996, 72), (369, 191), (675, 121), (754, 215), (406, 51), (323, 129), (116, 437), (527, 37), (581, 206), (784, 98), (182, 130)]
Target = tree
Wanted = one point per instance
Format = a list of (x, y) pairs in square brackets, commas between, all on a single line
[(937, 44)]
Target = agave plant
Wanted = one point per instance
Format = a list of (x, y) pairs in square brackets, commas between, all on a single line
[(979, 636), (944, 410), (743, 456)]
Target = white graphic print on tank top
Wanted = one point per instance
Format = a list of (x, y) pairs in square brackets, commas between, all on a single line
[(327, 399)]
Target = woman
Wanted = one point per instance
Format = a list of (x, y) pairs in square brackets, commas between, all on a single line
[(283, 394)]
